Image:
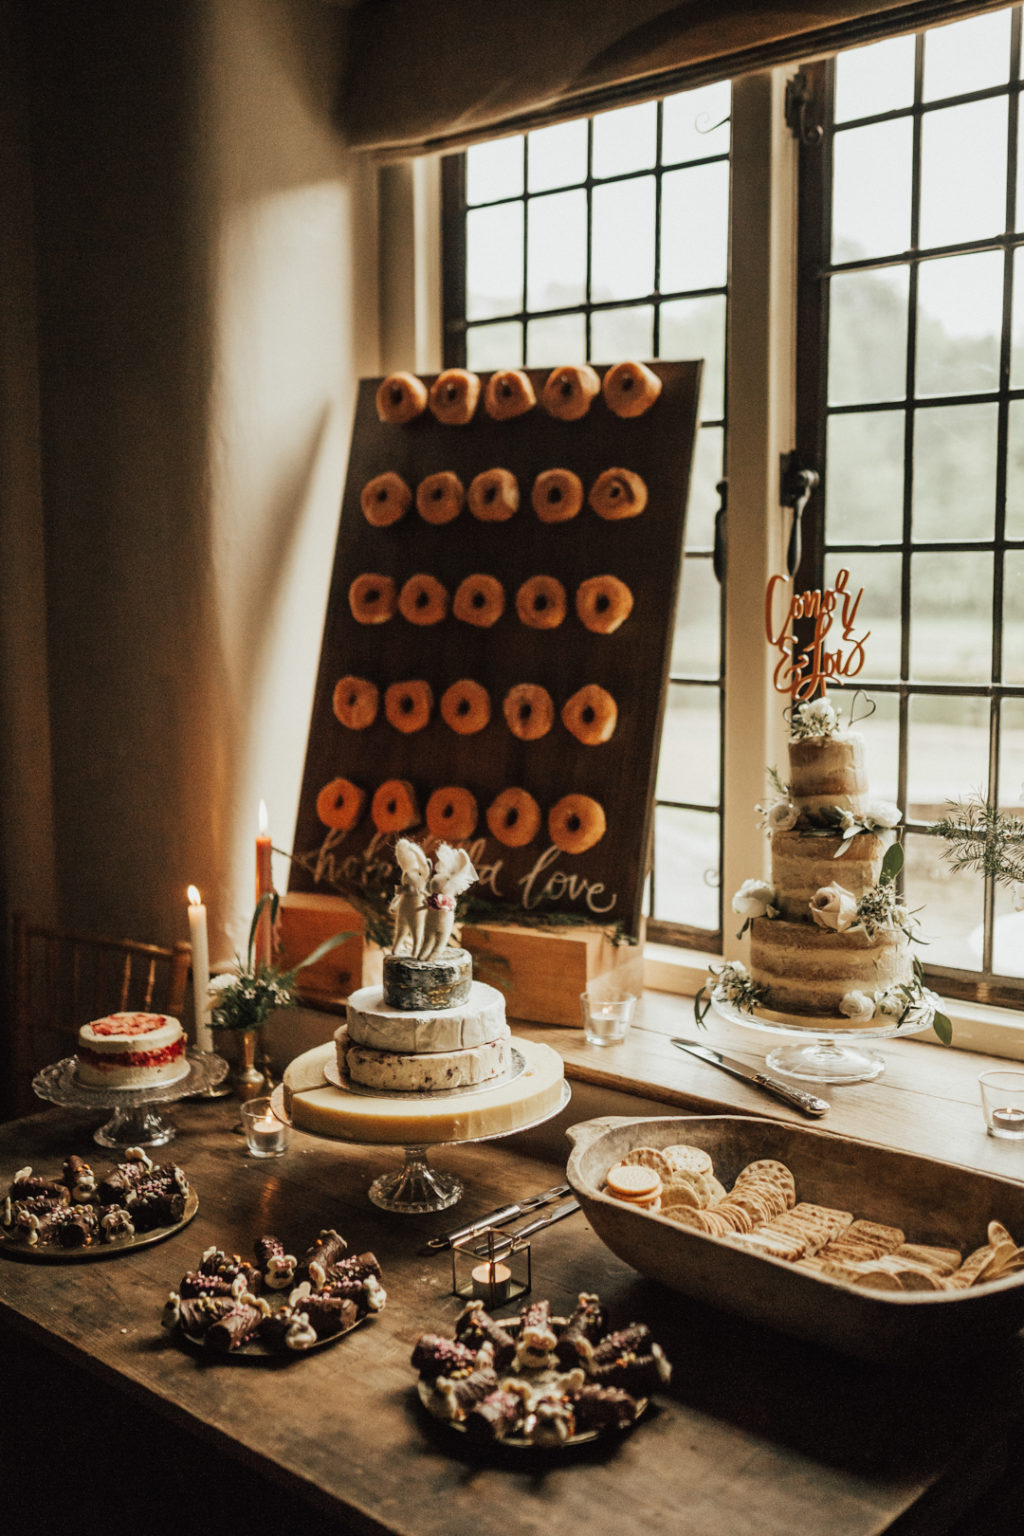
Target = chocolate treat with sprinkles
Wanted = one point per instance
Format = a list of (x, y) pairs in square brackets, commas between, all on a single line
[(598, 1408), (586, 1325), (27, 1186), (638, 1375), (497, 1415), (475, 1327), (278, 1268), (79, 1178), (235, 1328), (322, 1255), (434, 1356), (195, 1283), (328, 1314), (460, 1393), (626, 1342), (75, 1226)]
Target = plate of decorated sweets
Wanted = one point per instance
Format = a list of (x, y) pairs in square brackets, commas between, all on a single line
[(539, 1381), (81, 1213), (275, 1305)]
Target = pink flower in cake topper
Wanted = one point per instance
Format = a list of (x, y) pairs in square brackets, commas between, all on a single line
[(834, 907)]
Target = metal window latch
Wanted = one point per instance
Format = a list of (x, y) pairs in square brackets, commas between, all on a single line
[(799, 100), (797, 484), (719, 551)]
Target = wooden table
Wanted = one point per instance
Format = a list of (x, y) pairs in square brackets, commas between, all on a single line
[(103, 1414)]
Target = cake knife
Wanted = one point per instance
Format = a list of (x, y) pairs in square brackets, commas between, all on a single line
[(499, 1217), (807, 1103)]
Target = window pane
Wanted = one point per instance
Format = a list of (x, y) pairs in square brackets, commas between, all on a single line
[(686, 868), (951, 620), (618, 333), (868, 336), (1011, 755), (878, 78), (1007, 936), (494, 261), (625, 140), (557, 157), (494, 170), (688, 764), (878, 616), (557, 254), (696, 647), (695, 124), (948, 753), (952, 903), (881, 732), (494, 346), (1015, 471), (864, 494), (708, 470), (622, 245), (1018, 220), (1017, 338), (963, 173), (967, 56), (871, 191), (1013, 626), (562, 339), (959, 316), (955, 472), (695, 228), (696, 328)]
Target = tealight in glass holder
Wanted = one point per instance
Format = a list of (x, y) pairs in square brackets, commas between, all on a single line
[(266, 1134), (1002, 1099), (491, 1268)]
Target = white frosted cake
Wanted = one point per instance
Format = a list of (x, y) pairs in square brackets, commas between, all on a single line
[(131, 1050)]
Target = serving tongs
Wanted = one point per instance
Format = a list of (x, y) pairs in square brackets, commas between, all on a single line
[(498, 1218), (510, 1241)]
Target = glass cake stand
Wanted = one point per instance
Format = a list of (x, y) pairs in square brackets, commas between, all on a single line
[(831, 1055), (417, 1189), (135, 1121)]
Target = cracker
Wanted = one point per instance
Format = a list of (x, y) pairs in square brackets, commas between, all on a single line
[(650, 1157), (942, 1261), (777, 1245), (874, 1231), (673, 1194), (632, 1181), (687, 1158), (682, 1179)]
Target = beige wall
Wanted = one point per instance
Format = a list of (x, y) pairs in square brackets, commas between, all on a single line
[(206, 273)]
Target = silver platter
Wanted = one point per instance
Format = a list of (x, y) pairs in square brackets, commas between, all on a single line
[(17, 1248), (516, 1067), (59, 1084)]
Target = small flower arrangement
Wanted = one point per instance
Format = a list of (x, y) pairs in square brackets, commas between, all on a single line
[(243, 999), (817, 718), (731, 982), (878, 816)]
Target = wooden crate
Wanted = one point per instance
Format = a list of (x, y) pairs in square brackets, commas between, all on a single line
[(542, 973), (306, 920)]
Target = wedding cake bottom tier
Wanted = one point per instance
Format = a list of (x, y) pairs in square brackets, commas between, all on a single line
[(422, 1072), (475, 1021), (807, 970), (317, 1106)]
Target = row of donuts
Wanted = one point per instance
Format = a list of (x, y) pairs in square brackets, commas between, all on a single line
[(574, 823), (602, 603), (493, 496), (591, 714), (628, 390)]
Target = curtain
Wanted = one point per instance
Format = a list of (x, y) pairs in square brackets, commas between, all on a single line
[(428, 75)]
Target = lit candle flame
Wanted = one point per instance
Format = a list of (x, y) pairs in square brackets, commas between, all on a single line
[(193, 896), (263, 817)]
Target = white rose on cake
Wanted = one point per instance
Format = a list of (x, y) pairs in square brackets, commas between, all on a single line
[(882, 814), (818, 717), (755, 898), (857, 1006), (781, 816), (834, 907), (891, 1004)]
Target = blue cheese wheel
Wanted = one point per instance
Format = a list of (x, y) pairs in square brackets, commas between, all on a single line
[(438, 983), (428, 1072), (476, 1021)]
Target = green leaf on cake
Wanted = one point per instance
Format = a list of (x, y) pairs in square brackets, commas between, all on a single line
[(892, 863)]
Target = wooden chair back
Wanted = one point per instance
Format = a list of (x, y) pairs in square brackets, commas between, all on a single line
[(62, 979)]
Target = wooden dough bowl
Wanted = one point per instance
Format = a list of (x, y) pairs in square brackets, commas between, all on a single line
[(933, 1202)]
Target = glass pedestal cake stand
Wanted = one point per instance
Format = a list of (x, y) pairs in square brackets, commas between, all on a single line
[(828, 1054), (417, 1189), (136, 1121)]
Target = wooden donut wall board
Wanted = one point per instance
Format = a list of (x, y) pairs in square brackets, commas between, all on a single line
[(536, 883)]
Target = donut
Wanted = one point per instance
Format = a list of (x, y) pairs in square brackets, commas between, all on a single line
[(557, 495), (466, 707), (509, 393), (528, 710), (401, 397), (385, 499), (568, 392), (576, 823), (408, 706), (591, 715), (355, 702), (514, 818), (479, 600), (617, 494), (440, 498), (630, 389), (603, 603), (394, 807), (494, 496), (372, 599), (423, 600), (540, 602), (452, 814), (340, 804), (453, 396)]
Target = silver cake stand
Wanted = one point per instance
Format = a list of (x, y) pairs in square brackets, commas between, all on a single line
[(135, 1121), (830, 1056), (417, 1189)]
